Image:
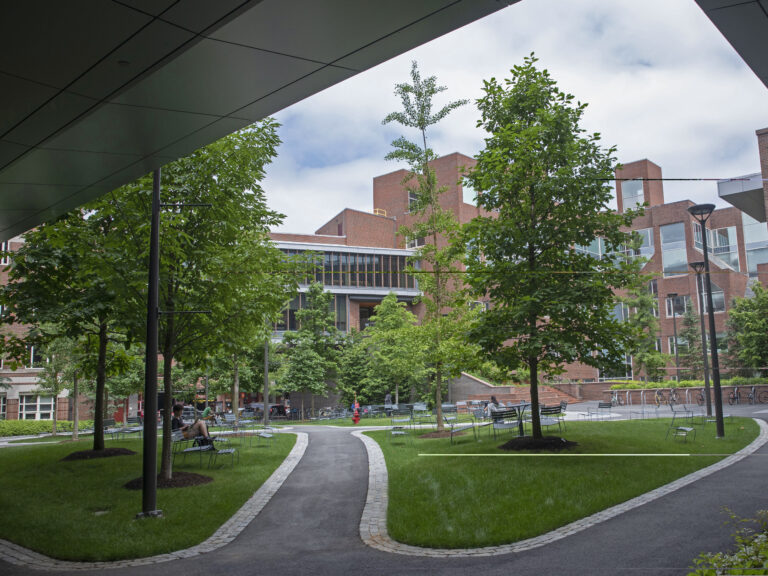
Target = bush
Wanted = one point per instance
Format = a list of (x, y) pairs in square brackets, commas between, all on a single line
[(32, 427), (750, 557), (743, 381)]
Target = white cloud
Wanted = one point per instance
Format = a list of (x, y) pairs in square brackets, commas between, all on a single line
[(661, 82)]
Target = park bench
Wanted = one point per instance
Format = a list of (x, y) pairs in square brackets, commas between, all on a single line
[(181, 445), (132, 426), (510, 419), (681, 432), (455, 426)]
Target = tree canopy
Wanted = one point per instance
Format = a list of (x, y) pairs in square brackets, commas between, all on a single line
[(545, 186)]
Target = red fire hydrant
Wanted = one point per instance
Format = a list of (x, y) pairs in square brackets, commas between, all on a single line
[(356, 416)]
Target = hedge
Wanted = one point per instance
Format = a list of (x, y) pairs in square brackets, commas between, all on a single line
[(736, 381), (32, 427)]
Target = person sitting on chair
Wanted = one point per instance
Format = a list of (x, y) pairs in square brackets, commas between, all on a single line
[(189, 431)]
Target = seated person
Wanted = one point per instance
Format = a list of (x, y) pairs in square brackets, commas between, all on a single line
[(208, 414), (189, 431)]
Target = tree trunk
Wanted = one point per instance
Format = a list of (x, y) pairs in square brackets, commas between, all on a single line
[(101, 379), (76, 406), (533, 366), (266, 383), (439, 396), (397, 393), (166, 462), (235, 388), (55, 410)]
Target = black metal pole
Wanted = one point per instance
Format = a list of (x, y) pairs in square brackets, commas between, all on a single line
[(266, 382), (712, 333), (700, 294), (149, 484)]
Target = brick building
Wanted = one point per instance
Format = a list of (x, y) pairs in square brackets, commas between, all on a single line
[(737, 245)]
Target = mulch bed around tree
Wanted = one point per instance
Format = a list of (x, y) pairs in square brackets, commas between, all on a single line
[(179, 480), (545, 444), (91, 454), (443, 434)]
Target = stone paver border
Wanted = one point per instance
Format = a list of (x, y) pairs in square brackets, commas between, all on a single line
[(228, 531), (373, 524)]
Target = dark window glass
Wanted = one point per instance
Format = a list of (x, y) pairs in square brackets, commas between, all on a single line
[(378, 272)]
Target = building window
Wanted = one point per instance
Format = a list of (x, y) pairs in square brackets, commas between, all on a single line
[(35, 359), (647, 247), (415, 242), (33, 407), (681, 305), (468, 194), (673, 252), (413, 199), (3, 406), (341, 312), (718, 299), (624, 372), (682, 345), (722, 245), (4, 249), (632, 194)]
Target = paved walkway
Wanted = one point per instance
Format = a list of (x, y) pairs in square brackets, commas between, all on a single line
[(312, 525)]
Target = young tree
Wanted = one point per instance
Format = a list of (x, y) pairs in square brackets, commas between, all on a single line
[(546, 186), (436, 263), (317, 332), (642, 317), (748, 323), (691, 359), (395, 345), (304, 371), (358, 375), (58, 369)]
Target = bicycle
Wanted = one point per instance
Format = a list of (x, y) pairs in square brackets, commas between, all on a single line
[(615, 398), (760, 397), (700, 399), (734, 397), (659, 398), (673, 396)]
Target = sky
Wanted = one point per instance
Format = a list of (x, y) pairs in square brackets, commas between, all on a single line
[(660, 81)]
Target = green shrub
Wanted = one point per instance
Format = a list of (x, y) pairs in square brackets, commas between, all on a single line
[(744, 381), (750, 557), (32, 427)]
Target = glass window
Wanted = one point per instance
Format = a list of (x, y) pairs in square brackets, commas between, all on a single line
[(4, 248), (673, 236), (682, 345), (755, 257), (718, 299), (336, 273), (292, 307), (3, 406), (754, 231), (32, 407), (632, 194), (468, 194), (370, 271), (412, 198), (341, 312), (675, 262), (681, 304), (378, 272)]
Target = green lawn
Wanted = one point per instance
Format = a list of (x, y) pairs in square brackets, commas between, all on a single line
[(456, 502), (80, 510)]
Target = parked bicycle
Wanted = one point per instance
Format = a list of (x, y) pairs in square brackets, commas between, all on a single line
[(673, 396), (700, 398), (734, 397), (615, 398), (758, 396), (659, 398)]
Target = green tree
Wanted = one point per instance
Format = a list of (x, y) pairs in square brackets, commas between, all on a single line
[(58, 370), (396, 346), (65, 275), (357, 374), (304, 371), (546, 187), (643, 308), (691, 358), (317, 332), (436, 263), (748, 324)]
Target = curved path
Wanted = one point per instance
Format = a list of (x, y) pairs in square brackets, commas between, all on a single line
[(312, 526)]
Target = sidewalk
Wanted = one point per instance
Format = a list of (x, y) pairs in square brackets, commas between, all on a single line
[(311, 526)]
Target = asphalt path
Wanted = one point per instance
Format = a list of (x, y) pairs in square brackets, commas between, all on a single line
[(311, 527)]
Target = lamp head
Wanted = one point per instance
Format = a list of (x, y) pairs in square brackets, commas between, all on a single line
[(701, 211), (698, 267)]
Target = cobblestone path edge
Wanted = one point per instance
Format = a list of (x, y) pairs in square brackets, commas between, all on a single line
[(373, 524), (228, 531)]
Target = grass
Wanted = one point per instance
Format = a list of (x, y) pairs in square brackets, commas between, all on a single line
[(457, 502), (79, 510)]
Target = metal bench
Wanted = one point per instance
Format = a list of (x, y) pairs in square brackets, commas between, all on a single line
[(511, 419), (681, 432)]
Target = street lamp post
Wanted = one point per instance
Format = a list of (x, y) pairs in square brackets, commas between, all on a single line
[(698, 267), (673, 297), (702, 212)]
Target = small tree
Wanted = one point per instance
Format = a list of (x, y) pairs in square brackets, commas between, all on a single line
[(692, 359), (643, 308), (748, 324), (547, 188), (304, 371), (358, 375), (436, 264), (57, 371)]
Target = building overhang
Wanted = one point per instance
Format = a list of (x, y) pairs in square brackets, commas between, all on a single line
[(744, 23), (96, 93), (745, 193)]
